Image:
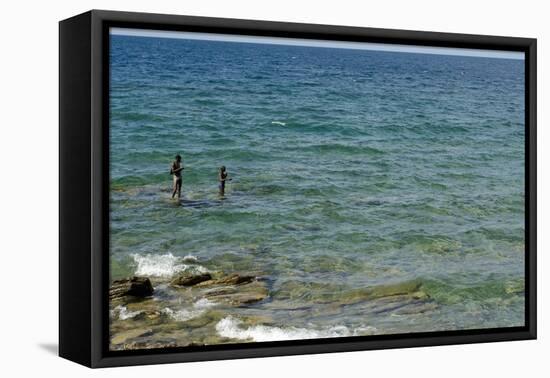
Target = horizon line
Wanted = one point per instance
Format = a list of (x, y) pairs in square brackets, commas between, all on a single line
[(387, 47)]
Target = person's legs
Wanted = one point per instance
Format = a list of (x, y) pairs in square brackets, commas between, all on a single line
[(178, 187), (174, 187)]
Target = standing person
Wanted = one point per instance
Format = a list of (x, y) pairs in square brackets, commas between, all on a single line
[(175, 170), (222, 177)]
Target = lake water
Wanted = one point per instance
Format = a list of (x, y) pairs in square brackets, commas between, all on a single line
[(351, 169)]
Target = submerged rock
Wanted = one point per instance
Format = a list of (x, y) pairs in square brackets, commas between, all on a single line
[(248, 293), (191, 279), (307, 293), (135, 286)]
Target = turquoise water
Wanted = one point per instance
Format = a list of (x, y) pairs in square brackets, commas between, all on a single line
[(351, 169)]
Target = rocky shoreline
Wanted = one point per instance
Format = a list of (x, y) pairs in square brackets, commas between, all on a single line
[(234, 288), (187, 310), (136, 301)]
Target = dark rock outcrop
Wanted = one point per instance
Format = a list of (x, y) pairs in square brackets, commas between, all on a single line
[(136, 287)]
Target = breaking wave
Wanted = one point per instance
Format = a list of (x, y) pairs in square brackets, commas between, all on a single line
[(232, 328), (123, 313), (165, 265), (197, 310)]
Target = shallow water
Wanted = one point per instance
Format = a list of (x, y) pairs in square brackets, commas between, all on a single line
[(351, 169)]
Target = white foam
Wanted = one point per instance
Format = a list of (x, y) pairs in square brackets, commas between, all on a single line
[(123, 313), (204, 303), (197, 310), (231, 328), (182, 315), (278, 123), (165, 265), (191, 258), (157, 265)]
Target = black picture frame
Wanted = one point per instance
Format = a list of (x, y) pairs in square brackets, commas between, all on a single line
[(84, 204)]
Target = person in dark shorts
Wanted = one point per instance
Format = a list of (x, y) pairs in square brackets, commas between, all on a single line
[(175, 170), (222, 177)]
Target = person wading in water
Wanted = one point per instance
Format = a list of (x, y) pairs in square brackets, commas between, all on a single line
[(175, 170), (222, 177)]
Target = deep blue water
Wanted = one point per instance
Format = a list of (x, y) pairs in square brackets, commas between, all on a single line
[(350, 169)]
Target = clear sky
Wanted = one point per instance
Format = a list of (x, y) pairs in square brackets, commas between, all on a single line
[(320, 43)]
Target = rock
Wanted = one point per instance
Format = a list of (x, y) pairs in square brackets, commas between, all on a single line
[(217, 291), (238, 296), (416, 308), (148, 345), (135, 286), (307, 293), (233, 279), (191, 279), (123, 337), (394, 292), (420, 295), (152, 315), (255, 320), (401, 288)]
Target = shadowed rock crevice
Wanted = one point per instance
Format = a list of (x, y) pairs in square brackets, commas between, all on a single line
[(131, 287)]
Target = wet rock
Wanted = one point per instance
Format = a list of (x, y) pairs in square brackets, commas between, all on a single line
[(191, 279), (209, 317), (233, 279), (135, 287), (217, 291), (397, 291), (288, 306), (198, 322), (125, 336), (238, 296), (148, 305), (420, 295), (416, 308), (148, 345), (254, 320), (321, 293), (401, 288), (150, 315)]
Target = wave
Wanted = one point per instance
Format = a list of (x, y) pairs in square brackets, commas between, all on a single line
[(166, 265), (122, 313), (191, 258), (197, 310), (232, 328)]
